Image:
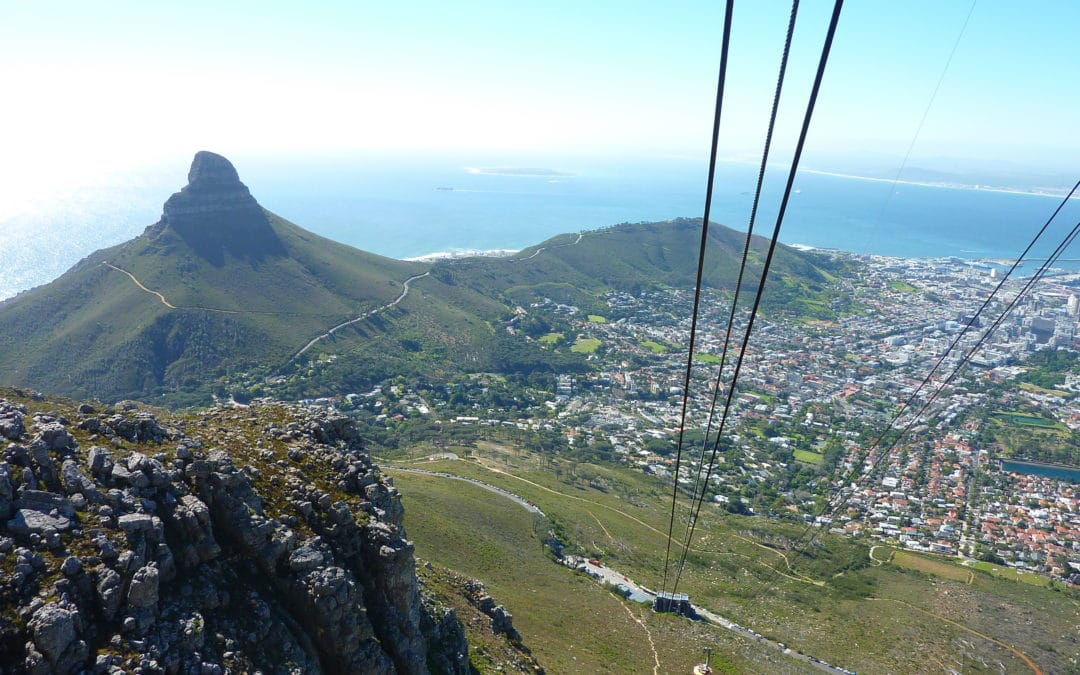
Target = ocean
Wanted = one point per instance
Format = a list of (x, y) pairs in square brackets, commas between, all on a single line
[(410, 207)]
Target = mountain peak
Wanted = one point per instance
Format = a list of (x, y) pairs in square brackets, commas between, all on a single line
[(216, 214), (211, 169)]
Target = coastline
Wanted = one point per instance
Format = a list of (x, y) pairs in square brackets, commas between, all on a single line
[(467, 253), (946, 186)]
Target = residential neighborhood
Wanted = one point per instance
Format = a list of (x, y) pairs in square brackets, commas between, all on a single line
[(862, 423)]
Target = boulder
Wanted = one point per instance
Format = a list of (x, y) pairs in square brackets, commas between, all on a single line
[(55, 634), (29, 521), (55, 437), (143, 591), (11, 420)]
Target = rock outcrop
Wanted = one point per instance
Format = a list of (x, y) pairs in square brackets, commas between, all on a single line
[(216, 214), (233, 540)]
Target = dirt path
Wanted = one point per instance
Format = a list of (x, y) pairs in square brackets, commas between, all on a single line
[(796, 577), (574, 497), (544, 248), (648, 634), (800, 579), (1021, 655), (525, 503), (601, 524), (139, 284), (874, 561), (405, 286)]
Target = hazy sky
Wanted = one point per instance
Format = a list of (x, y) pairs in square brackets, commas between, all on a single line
[(96, 85)]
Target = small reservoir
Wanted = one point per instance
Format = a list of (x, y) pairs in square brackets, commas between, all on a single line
[(1049, 470)]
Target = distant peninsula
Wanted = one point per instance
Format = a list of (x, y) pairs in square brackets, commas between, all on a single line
[(518, 171)]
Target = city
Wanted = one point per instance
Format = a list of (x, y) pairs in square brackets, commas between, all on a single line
[(813, 399)]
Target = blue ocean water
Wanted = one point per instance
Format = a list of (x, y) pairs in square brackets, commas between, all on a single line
[(409, 207)]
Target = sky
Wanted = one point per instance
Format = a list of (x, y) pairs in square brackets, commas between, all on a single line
[(101, 86)]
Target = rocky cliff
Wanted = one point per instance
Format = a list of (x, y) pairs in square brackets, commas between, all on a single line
[(216, 214), (232, 540)]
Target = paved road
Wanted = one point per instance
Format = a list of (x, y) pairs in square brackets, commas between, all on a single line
[(544, 248), (404, 292), (525, 503)]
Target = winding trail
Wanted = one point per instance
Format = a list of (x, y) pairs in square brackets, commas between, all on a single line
[(544, 248), (605, 572), (874, 561), (648, 634), (796, 577), (404, 292), (800, 579), (566, 496), (1021, 655), (140, 285), (521, 501), (201, 308), (601, 524)]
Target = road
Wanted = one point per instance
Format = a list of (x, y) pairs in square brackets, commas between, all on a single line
[(634, 591), (404, 292), (544, 248), (525, 503), (638, 593)]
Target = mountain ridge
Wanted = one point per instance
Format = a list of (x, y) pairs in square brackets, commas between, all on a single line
[(220, 285)]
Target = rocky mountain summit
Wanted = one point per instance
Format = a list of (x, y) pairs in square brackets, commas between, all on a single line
[(216, 214), (256, 539)]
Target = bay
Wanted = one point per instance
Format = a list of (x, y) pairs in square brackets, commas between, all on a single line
[(407, 207)]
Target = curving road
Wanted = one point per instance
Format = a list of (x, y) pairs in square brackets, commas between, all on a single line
[(544, 248), (404, 292), (521, 501), (636, 592)]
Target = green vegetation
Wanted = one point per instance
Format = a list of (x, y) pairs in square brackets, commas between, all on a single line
[(809, 457), (655, 347), (1048, 367), (827, 601), (1024, 434), (931, 565), (1011, 574), (584, 345), (551, 339), (1030, 421), (1034, 388), (701, 357), (236, 322), (902, 286)]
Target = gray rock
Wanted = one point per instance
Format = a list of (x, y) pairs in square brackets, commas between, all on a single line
[(71, 566), (7, 492), (55, 437), (305, 558), (27, 521), (125, 476), (55, 634), (11, 420), (41, 500), (109, 589), (72, 479), (135, 522), (99, 460), (46, 469), (143, 591)]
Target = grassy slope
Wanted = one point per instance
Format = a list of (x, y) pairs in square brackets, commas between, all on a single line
[(93, 331), (862, 617), (570, 623)]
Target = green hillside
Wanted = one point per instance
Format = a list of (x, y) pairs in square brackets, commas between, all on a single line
[(221, 290), (633, 258)]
